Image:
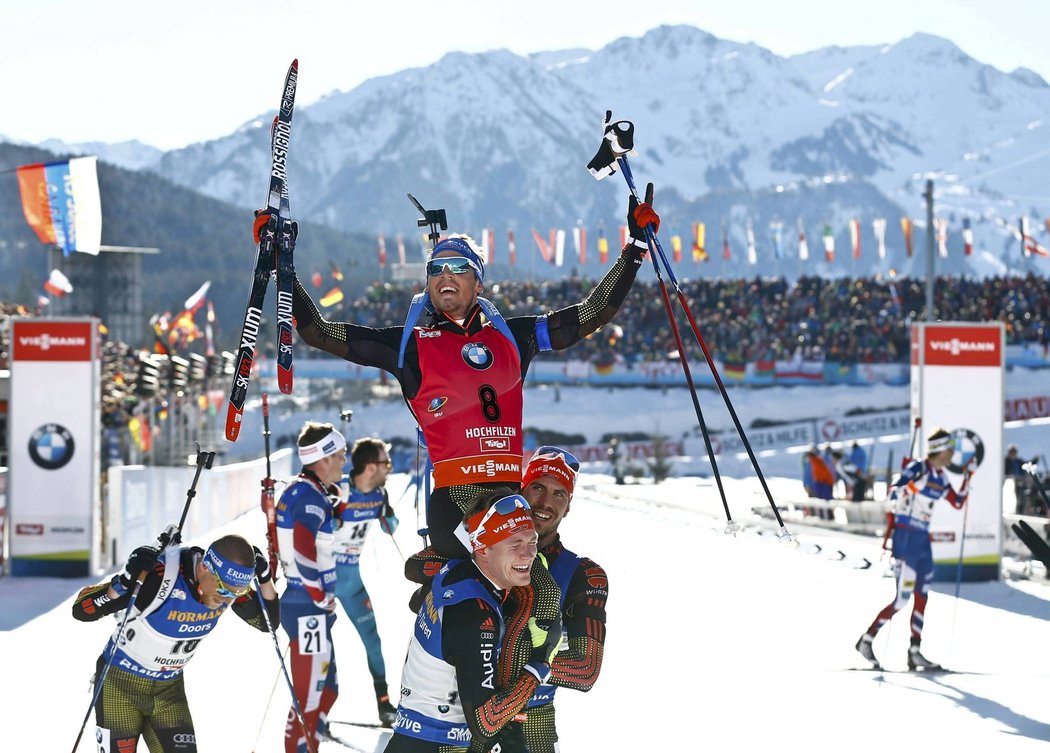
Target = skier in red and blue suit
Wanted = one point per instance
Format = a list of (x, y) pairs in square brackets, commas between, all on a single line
[(304, 537), (920, 486)]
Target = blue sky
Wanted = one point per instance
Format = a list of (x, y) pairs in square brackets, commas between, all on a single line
[(171, 74)]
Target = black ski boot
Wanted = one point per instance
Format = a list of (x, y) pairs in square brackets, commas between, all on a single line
[(865, 650), (919, 663)]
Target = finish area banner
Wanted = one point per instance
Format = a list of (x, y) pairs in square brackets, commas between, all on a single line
[(957, 385), (53, 494)]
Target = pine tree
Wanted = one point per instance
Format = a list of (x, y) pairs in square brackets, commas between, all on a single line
[(659, 463)]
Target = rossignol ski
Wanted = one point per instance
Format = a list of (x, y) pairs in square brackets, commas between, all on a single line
[(276, 244)]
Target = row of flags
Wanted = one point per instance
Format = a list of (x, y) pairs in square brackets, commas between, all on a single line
[(554, 247), (61, 203)]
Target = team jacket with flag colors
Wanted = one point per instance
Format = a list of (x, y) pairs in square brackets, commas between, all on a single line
[(168, 621), (585, 591), (555, 330), (357, 513), (915, 492), (304, 537), (448, 694)]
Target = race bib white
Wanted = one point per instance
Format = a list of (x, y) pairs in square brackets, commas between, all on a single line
[(313, 638)]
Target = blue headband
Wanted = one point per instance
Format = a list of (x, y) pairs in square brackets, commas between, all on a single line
[(462, 248), (230, 573)]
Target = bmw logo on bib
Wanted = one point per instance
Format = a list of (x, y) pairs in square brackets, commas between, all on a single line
[(477, 356), (51, 446)]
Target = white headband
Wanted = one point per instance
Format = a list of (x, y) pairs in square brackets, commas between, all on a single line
[(330, 444), (940, 445)]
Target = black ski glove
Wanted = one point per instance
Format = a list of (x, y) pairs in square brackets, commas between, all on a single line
[(144, 558), (262, 566), (641, 216)]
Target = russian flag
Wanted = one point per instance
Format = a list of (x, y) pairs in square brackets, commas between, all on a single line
[(60, 201), (58, 284)]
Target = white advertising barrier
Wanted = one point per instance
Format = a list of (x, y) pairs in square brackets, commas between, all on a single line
[(765, 438), (53, 457), (862, 426), (832, 430), (957, 385), (142, 500)]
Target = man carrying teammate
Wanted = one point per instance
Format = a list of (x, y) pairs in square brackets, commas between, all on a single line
[(548, 485)]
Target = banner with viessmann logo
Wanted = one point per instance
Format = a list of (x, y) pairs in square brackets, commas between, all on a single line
[(957, 385), (54, 468)]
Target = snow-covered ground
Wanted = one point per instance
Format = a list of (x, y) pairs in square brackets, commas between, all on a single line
[(715, 642)]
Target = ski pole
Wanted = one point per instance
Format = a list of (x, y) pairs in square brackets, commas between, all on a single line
[(732, 526), (269, 701), (654, 243), (912, 445), (267, 500), (291, 688), (169, 536), (965, 487)]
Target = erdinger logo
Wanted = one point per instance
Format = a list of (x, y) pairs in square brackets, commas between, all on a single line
[(51, 446), (955, 346), (477, 356)]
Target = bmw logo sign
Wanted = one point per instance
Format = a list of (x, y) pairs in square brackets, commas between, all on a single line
[(312, 623), (968, 444), (51, 446), (477, 356)]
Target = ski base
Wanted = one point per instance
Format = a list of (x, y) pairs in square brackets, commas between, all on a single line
[(940, 671)]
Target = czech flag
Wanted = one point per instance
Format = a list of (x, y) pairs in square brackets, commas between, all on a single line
[(60, 201)]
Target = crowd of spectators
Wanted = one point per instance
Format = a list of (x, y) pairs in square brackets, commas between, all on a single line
[(847, 320), (862, 320)]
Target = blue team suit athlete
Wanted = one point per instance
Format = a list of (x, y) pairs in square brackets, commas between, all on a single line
[(914, 494), (365, 502), (182, 597), (304, 536)]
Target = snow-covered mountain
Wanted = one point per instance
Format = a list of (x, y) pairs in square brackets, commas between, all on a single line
[(132, 155), (729, 132)]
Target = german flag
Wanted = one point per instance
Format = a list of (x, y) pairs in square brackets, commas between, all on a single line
[(332, 297), (735, 369)]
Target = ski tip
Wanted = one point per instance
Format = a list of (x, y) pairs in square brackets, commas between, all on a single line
[(284, 380), (233, 423), (295, 64)]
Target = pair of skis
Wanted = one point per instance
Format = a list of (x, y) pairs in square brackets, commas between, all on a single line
[(276, 240)]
